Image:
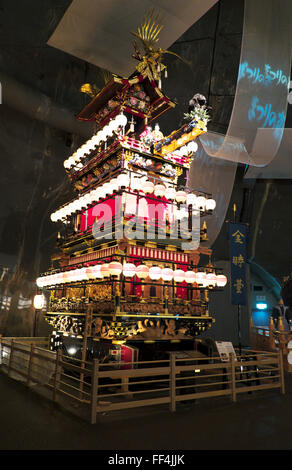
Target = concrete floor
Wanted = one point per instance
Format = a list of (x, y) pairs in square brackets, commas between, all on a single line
[(259, 421)]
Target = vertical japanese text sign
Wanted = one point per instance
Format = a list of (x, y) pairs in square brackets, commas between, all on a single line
[(238, 240)]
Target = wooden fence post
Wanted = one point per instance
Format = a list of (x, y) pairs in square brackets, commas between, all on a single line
[(10, 357), (281, 371), (233, 378), (172, 382), (94, 390), (30, 364), (251, 332), (272, 345), (57, 373)]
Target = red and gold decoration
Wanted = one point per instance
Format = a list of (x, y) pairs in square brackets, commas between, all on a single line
[(122, 249)]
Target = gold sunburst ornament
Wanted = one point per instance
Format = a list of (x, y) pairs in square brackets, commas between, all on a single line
[(151, 62)]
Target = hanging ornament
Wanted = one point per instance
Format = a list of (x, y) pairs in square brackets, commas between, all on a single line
[(132, 125)]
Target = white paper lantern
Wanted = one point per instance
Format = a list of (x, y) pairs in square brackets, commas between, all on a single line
[(167, 274), (148, 187), (129, 270), (201, 279), (191, 199), (123, 180), (121, 120), (211, 280), (39, 301), (159, 190), (192, 146), (178, 275), (155, 273), (170, 194), (142, 271), (181, 196), (190, 277), (104, 270), (210, 204), (221, 280), (115, 268), (201, 203)]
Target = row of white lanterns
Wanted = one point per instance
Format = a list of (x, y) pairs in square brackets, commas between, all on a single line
[(115, 124), (185, 150), (129, 270), (135, 183)]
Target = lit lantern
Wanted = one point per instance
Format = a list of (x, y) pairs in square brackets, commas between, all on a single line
[(201, 203), (159, 190), (201, 278), (102, 136), (192, 147), (67, 276), (59, 278), (179, 275), (115, 268), (41, 281), (121, 120), (184, 150), (191, 199), (82, 275), (170, 194), (90, 272), (115, 184), (129, 270), (96, 271), (181, 196), (210, 204), (167, 274), (39, 301), (104, 270), (221, 280), (75, 275), (148, 187), (95, 140), (106, 189), (142, 271), (107, 131), (96, 194), (123, 180), (155, 273), (135, 183), (190, 277), (211, 280)]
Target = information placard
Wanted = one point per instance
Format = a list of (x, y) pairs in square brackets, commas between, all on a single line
[(225, 348)]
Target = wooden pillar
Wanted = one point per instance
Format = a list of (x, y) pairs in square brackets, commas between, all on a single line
[(272, 345), (172, 380), (233, 378), (11, 356), (94, 390), (58, 371), (281, 334), (32, 347), (281, 372), (251, 333)]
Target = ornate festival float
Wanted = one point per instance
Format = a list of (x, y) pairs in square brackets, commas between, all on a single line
[(128, 268)]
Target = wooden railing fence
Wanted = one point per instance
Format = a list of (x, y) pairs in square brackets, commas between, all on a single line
[(108, 386)]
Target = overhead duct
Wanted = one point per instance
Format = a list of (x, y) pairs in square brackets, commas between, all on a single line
[(39, 106)]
